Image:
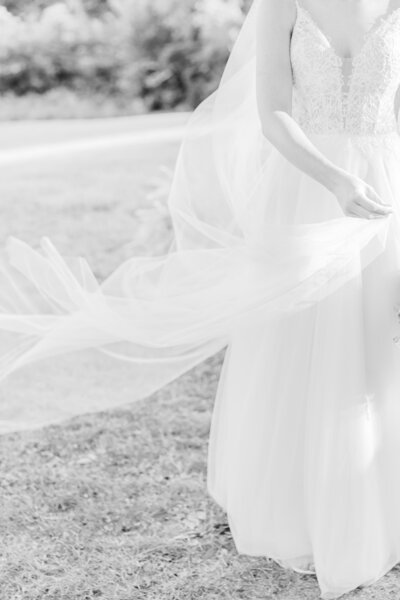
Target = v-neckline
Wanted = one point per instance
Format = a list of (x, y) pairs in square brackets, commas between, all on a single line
[(379, 23)]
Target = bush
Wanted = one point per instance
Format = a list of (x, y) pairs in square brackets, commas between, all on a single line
[(176, 50), (59, 48), (22, 7), (169, 53)]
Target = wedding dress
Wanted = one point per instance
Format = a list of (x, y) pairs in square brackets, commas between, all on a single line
[(304, 446)]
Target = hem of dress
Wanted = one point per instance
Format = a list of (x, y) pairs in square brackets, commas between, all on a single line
[(325, 595), (334, 595)]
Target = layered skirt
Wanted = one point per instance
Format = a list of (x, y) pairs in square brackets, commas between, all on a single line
[(304, 451)]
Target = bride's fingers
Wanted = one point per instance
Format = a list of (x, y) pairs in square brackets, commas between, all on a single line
[(374, 207), (377, 200), (361, 212), (366, 210), (356, 211)]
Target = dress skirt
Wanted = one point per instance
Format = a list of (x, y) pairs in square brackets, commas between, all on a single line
[(304, 451)]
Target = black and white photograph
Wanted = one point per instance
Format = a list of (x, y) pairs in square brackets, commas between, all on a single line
[(199, 299)]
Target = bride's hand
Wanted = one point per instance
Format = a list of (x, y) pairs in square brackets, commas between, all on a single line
[(359, 199)]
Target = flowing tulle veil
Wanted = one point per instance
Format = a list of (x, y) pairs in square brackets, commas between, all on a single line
[(165, 314)]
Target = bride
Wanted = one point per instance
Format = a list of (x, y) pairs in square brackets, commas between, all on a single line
[(304, 443), (285, 205)]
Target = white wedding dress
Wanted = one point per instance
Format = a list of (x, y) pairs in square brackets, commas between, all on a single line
[(304, 451)]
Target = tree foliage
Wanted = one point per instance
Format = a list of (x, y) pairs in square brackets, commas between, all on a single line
[(169, 53)]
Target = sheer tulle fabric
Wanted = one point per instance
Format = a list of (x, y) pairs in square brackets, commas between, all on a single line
[(227, 266), (304, 442)]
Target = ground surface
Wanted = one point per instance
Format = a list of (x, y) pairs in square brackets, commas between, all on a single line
[(114, 505)]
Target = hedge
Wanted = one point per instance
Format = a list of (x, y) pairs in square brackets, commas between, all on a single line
[(169, 53)]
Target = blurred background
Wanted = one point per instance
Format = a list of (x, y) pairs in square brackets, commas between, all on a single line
[(85, 58), (94, 96)]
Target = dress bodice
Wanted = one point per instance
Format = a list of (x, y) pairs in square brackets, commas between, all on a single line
[(332, 94)]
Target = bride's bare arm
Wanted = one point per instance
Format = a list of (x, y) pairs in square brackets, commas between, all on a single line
[(274, 98)]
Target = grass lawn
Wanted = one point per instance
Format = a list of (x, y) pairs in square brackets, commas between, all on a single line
[(114, 505)]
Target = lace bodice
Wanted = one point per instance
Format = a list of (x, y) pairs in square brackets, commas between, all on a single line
[(334, 95)]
